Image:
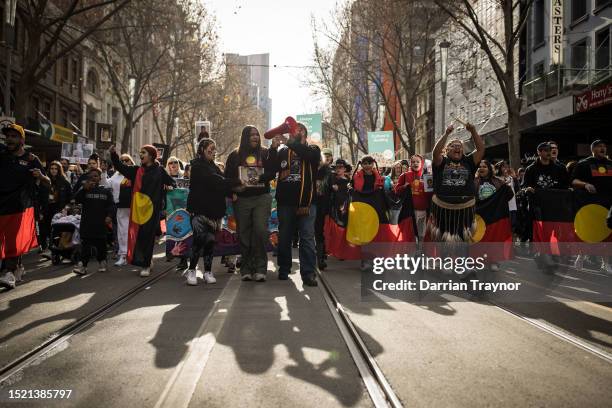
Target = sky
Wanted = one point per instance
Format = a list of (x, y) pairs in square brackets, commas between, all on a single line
[(281, 28)]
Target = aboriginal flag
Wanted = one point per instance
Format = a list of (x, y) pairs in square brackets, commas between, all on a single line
[(17, 223), (144, 215), (493, 234), (565, 220), (368, 224)]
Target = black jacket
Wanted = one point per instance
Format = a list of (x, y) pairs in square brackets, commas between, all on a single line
[(97, 205), (268, 160), (208, 189)]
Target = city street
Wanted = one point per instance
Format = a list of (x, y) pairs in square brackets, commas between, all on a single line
[(276, 343)]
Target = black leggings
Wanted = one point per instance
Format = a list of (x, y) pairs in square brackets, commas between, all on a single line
[(203, 242), (87, 245)]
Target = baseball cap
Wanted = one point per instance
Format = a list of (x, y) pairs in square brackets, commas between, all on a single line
[(327, 150), (597, 142), (340, 163), (15, 127)]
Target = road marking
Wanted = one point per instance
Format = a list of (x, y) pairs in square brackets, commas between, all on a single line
[(182, 384)]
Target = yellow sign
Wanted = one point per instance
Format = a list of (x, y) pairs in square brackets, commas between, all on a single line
[(62, 134)]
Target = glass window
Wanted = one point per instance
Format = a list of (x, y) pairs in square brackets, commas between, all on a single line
[(602, 49), (538, 20), (579, 9)]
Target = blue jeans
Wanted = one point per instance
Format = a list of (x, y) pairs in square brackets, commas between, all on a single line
[(287, 222)]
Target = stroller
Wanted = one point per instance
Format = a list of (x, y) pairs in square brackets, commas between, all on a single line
[(65, 240)]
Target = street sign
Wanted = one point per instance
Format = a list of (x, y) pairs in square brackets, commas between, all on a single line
[(314, 126), (382, 147)]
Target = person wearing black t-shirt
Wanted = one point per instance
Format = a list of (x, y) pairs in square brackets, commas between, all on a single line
[(594, 175), (20, 171), (322, 179), (545, 173), (97, 202), (454, 193)]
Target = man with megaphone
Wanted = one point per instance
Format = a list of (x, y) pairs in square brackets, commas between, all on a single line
[(296, 164)]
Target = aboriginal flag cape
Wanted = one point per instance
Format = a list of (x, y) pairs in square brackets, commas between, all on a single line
[(144, 215), (17, 225), (493, 234), (566, 221), (368, 226)]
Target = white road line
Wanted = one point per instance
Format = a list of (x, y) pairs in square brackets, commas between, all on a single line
[(182, 384)]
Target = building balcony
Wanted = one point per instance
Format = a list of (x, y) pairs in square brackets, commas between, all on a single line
[(562, 80)]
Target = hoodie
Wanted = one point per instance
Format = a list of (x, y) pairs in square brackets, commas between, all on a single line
[(208, 189)]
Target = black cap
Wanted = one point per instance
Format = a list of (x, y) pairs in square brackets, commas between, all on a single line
[(340, 162), (543, 145), (597, 142)]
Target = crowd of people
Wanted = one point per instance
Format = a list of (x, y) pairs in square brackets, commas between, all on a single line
[(119, 204)]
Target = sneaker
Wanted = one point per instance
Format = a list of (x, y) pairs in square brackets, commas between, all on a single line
[(7, 280), (79, 269), (579, 263), (322, 265), (311, 282), (606, 267), (122, 261), (192, 277), (231, 267), (19, 273), (494, 267), (247, 277), (182, 265), (260, 277), (209, 277), (102, 266), (144, 272)]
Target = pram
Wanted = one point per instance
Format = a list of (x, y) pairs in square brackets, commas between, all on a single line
[(65, 239)]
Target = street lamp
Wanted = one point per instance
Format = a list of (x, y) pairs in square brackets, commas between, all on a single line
[(10, 8), (444, 45)]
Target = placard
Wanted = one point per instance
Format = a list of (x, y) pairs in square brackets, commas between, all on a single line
[(105, 136), (382, 148), (250, 176), (77, 153)]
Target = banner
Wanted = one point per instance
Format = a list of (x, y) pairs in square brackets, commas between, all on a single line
[(314, 126), (382, 147), (178, 223)]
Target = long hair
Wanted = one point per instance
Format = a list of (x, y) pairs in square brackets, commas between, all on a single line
[(60, 171), (490, 167), (243, 148), (204, 143)]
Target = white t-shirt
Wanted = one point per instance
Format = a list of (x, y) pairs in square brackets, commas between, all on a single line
[(512, 202)]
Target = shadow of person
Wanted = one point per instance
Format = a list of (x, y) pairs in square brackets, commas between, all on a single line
[(264, 317)]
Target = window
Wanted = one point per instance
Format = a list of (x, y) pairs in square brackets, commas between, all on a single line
[(538, 69), (46, 108), (579, 9), (599, 4), (92, 81), (602, 49), (65, 69), (64, 117), (579, 58), (75, 71), (538, 22)]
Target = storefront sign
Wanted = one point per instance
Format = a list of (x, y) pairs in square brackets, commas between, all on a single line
[(556, 32), (594, 98)]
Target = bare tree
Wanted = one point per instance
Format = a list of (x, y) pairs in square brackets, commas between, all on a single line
[(54, 30), (500, 47)]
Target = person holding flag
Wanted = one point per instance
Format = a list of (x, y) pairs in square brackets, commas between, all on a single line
[(594, 175), (20, 170), (148, 182)]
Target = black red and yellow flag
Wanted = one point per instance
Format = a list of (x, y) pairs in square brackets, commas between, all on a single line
[(144, 215), (493, 233), (17, 224), (368, 223), (564, 218)]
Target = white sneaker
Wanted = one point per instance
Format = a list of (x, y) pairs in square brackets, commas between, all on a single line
[(209, 277), (122, 261), (192, 277), (19, 273), (260, 277), (103, 265), (579, 263), (606, 267), (79, 269), (7, 280), (144, 272), (494, 267), (247, 277)]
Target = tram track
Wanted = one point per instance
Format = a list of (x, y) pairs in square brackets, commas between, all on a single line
[(63, 335), (377, 386)]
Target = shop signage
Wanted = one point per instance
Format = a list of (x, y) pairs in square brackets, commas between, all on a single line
[(594, 98), (556, 32)]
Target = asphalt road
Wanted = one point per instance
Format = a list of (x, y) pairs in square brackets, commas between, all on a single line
[(275, 343)]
